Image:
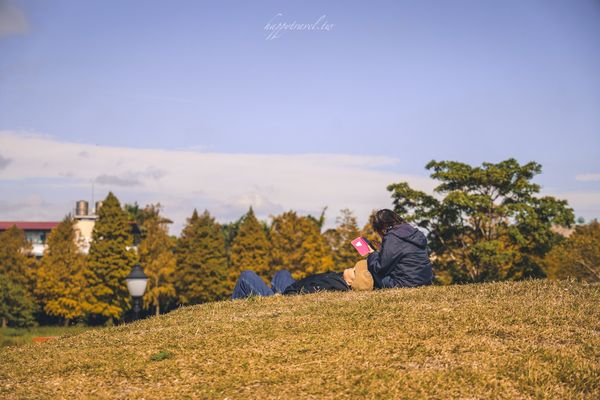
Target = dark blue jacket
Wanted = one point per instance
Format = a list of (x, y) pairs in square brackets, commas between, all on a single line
[(328, 281), (402, 260)]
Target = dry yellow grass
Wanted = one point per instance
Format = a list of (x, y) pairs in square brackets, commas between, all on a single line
[(534, 339)]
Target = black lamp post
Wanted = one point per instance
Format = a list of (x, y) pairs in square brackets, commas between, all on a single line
[(136, 284)]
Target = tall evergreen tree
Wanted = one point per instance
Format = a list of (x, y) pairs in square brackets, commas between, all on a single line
[(157, 258), (201, 273), (109, 261), (59, 278), (17, 272), (297, 245), (344, 255), (16, 306), (250, 248), (286, 240), (316, 254)]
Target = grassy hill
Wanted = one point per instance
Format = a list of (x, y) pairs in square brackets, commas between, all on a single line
[(534, 339)]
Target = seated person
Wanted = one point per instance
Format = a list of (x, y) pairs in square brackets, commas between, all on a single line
[(357, 278), (402, 259)]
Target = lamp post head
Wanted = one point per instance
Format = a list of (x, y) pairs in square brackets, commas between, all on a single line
[(136, 281)]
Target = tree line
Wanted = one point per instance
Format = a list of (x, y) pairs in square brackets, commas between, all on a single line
[(483, 223)]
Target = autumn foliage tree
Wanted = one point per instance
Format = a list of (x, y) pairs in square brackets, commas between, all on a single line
[(156, 252), (298, 246), (250, 249), (486, 222), (201, 273), (578, 256), (109, 261), (59, 280)]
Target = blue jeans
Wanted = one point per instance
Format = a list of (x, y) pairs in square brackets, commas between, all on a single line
[(250, 284)]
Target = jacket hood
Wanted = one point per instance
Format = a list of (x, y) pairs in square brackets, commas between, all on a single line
[(410, 234)]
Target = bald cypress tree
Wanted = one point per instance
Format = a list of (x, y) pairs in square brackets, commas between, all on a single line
[(109, 261), (316, 256), (250, 249), (59, 277), (286, 242), (157, 258), (297, 245), (201, 273)]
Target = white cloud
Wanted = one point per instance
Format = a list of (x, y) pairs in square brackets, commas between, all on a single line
[(225, 184), (113, 180), (586, 204), (32, 201), (12, 20), (588, 178)]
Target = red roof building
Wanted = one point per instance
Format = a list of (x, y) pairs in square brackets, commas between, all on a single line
[(35, 232), (28, 226)]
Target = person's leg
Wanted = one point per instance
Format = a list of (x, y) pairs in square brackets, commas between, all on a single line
[(250, 284), (281, 280)]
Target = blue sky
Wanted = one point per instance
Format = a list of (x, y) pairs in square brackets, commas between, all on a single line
[(407, 81)]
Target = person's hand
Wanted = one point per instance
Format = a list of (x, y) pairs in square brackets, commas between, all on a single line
[(371, 250)]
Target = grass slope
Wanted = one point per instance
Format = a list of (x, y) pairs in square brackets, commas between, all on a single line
[(20, 336), (535, 339)]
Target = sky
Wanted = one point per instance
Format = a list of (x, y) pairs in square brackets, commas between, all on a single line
[(279, 105)]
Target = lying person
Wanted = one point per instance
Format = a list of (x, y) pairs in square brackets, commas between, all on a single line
[(357, 278), (402, 259)]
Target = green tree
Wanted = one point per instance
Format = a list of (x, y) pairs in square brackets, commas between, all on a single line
[(59, 280), (16, 266), (156, 252), (250, 249), (344, 254), (576, 257), (16, 306), (201, 273), (297, 245), (487, 222), (109, 261)]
